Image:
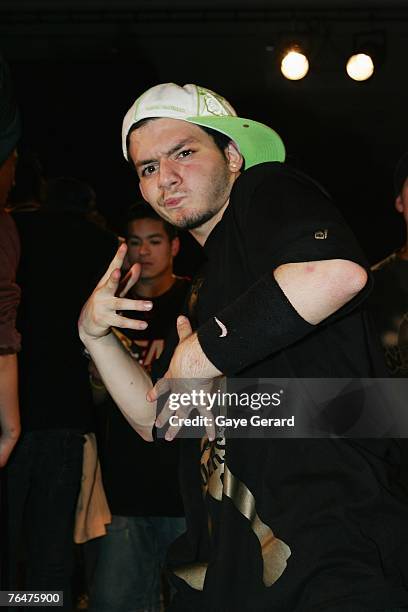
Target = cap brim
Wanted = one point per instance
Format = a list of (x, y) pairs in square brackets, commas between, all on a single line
[(257, 142)]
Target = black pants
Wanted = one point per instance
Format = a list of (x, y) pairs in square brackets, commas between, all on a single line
[(42, 483)]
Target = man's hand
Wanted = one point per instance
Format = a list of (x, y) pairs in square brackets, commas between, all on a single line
[(100, 312), (189, 370), (189, 359)]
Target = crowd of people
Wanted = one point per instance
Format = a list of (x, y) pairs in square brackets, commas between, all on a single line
[(103, 329)]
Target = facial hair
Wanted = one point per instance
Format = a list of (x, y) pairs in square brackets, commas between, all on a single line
[(218, 194)]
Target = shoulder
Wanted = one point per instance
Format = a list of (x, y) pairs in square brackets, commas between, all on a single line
[(275, 175), (278, 192)]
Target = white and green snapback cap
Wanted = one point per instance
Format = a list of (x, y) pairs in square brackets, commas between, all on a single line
[(257, 142)]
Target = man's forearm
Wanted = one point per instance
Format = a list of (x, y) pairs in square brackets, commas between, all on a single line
[(318, 289), (277, 311), (125, 380)]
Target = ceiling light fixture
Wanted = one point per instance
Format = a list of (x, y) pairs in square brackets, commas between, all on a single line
[(294, 64)]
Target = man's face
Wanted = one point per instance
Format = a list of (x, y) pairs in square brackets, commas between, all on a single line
[(149, 244), (401, 203), (183, 175)]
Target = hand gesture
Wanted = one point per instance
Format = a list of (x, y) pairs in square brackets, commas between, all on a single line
[(191, 373), (100, 312)]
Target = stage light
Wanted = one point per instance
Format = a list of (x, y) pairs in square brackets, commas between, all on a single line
[(360, 67), (368, 54), (294, 65)]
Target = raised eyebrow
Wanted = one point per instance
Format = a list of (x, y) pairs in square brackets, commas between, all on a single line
[(170, 151), (180, 145)]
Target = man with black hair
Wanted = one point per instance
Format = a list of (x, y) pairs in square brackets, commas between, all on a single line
[(389, 300), (293, 525), (140, 479)]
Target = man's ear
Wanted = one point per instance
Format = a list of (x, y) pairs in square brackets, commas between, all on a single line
[(234, 157), (175, 246)]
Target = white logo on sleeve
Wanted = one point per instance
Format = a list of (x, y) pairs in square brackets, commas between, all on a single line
[(223, 329)]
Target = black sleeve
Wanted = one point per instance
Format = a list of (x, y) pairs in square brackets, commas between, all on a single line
[(289, 218)]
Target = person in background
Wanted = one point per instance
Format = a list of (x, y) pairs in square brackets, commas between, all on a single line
[(9, 257), (388, 301), (43, 476), (140, 479)]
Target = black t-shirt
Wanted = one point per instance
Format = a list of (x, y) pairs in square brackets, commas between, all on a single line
[(292, 525), (62, 258), (141, 478)]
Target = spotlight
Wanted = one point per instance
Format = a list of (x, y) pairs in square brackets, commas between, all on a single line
[(368, 53), (294, 65), (360, 67)]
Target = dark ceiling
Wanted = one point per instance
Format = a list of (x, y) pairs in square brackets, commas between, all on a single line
[(78, 65), (195, 4), (208, 6)]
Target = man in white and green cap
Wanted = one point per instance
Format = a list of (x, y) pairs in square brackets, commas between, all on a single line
[(289, 525)]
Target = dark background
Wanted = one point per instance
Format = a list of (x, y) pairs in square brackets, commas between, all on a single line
[(78, 66)]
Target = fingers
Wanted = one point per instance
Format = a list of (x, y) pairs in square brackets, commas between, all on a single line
[(116, 263), (180, 409), (124, 322), (127, 304), (174, 429), (210, 427), (184, 329), (111, 283), (172, 432), (103, 310), (164, 416), (131, 278), (162, 386)]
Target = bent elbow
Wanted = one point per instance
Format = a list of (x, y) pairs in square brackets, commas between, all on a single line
[(359, 278), (352, 278)]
